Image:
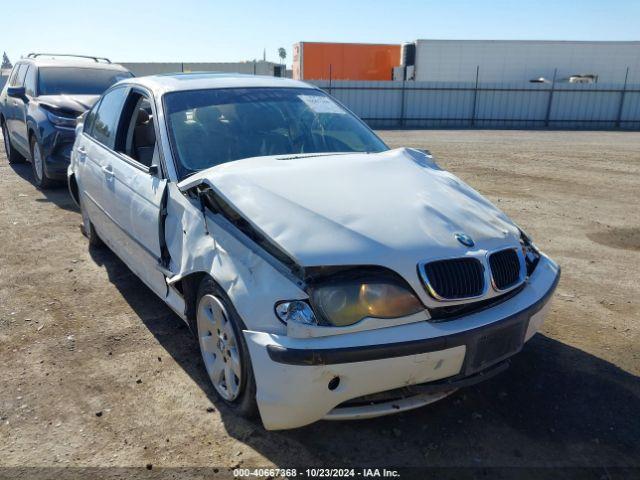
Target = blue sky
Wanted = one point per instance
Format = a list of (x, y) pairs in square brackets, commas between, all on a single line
[(192, 30)]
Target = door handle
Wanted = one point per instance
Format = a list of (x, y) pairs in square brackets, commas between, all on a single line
[(107, 170)]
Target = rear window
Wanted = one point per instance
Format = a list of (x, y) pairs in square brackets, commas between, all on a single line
[(77, 81)]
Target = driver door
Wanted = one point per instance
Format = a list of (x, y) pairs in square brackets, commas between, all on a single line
[(133, 189)]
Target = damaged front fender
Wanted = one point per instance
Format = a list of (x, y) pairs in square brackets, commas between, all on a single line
[(200, 241)]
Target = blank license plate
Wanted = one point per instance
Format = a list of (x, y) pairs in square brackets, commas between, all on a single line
[(497, 345)]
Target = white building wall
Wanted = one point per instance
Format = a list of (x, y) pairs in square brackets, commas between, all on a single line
[(518, 61)]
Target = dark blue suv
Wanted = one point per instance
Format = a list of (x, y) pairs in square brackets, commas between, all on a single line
[(39, 105)]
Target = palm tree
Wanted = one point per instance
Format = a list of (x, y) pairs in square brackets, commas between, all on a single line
[(282, 53)]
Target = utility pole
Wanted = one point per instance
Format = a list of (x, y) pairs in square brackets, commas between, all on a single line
[(621, 105), (553, 86)]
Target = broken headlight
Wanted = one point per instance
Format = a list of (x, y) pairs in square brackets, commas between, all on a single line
[(348, 301), (530, 252)]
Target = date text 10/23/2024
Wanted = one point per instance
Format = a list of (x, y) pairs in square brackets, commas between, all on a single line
[(316, 473)]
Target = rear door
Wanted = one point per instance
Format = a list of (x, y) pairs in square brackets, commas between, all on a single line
[(133, 190), (94, 152), (20, 127)]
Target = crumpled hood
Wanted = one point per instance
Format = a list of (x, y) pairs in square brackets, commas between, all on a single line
[(70, 103), (394, 208)]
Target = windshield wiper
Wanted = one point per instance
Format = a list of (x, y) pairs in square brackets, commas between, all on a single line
[(311, 155)]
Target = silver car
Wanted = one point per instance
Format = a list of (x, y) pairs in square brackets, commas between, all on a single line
[(324, 274)]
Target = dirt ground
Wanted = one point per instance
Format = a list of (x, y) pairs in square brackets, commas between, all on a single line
[(97, 372)]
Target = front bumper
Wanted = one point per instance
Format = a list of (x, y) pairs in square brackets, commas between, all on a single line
[(293, 375), (57, 152)]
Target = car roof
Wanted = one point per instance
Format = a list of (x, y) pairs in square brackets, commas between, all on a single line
[(206, 80), (72, 63)]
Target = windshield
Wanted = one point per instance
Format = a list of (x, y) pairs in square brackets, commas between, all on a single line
[(210, 127), (77, 81)]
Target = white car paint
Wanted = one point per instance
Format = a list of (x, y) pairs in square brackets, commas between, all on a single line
[(394, 209), (281, 388), (341, 199)]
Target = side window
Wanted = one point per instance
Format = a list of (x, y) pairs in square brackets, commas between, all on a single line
[(18, 79), (30, 81), (90, 119), (105, 123), (21, 74), (139, 140), (13, 74)]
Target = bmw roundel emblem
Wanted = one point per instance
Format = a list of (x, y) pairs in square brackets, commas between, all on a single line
[(465, 239)]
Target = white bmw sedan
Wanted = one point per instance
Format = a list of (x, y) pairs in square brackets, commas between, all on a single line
[(325, 275)]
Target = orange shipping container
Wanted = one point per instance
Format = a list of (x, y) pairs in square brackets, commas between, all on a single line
[(344, 61)]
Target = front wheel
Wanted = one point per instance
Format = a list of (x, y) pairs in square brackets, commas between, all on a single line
[(224, 350), (37, 163), (12, 154)]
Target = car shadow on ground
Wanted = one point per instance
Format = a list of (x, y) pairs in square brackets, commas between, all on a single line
[(58, 195), (555, 405)]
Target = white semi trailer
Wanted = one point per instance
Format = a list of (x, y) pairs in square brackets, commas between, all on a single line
[(519, 60)]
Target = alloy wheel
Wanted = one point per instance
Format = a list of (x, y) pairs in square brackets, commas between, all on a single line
[(37, 162), (219, 347)]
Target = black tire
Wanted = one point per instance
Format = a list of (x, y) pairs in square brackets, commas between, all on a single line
[(42, 181), (13, 156), (88, 230), (245, 404)]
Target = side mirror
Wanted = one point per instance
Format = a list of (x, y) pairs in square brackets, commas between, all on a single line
[(153, 170), (17, 92)]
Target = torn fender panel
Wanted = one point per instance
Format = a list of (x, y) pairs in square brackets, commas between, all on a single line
[(217, 205), (253, 284)]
